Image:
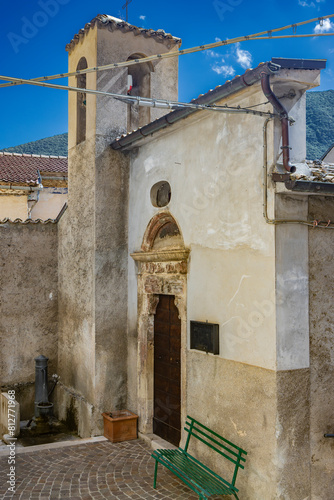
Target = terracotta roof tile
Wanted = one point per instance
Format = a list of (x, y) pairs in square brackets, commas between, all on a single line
[(35, 221), (23, 169), (110, 22), (315, 171)]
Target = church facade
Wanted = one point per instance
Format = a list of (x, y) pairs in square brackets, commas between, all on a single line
[(190, 278)]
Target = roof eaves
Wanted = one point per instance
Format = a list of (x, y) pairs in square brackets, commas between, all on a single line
[(26, 155), (36, 221), (310, 64), (110, 22), (230, 87), (304, 186)]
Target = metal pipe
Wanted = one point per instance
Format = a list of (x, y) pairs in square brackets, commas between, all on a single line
[(265, 172), (329, 435), (284, 117), (265, 186), (22, 188)]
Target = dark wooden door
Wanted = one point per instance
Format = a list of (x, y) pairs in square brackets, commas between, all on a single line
[(167, 371)]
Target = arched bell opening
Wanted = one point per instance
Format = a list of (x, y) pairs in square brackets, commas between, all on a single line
[(140, 86)]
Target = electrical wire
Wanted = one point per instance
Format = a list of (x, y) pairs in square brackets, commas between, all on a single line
[(158, 103), (255, 36)]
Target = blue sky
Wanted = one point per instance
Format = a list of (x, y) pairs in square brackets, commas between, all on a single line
[(33, 35)]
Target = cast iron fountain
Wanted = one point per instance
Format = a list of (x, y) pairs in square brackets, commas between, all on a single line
[(43, 407), (43, 427)]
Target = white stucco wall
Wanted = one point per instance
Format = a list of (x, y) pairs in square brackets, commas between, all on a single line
[(216, 183), (50, 203), (248, 276)]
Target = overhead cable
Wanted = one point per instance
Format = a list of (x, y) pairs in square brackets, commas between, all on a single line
[(256, 36), (142, 101)]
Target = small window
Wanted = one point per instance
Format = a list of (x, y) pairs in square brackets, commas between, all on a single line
[(160, 194), (81, 102)]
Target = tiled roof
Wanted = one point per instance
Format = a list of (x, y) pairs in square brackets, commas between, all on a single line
[(327, 152), (23, 169), (35, 221), (112, 23), (315, 171)]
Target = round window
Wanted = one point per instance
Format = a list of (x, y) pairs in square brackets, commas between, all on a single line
[(160, 194)]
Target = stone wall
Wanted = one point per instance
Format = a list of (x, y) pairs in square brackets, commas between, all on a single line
[(93, 260), (238, 402), (321, 245), (28, 306)]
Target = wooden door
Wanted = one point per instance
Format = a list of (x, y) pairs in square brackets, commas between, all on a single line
[(167, 371)]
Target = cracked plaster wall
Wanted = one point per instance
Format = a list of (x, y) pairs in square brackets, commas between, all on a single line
[(28, 306)]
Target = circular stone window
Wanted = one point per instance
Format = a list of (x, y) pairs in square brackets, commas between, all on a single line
[(160, 194)]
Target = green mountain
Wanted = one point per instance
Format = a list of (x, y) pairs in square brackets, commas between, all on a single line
[(319, 130), (56, 146), (319, 123)]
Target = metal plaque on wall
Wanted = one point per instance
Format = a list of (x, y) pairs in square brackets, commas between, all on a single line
[(204, 336)]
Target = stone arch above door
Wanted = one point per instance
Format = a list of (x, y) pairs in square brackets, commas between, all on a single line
[(162, 270), (162, 241)]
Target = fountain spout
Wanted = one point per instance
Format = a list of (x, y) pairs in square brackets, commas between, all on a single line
[(43, 408)]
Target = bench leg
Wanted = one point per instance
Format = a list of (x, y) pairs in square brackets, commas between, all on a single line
[(236, 496), (155, 474)]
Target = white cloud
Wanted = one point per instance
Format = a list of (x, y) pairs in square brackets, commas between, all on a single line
[(212, 53), (217, 39), (326, 26), (223, 69), (142, 18), (244, 58), (224, 66), (304, 3)]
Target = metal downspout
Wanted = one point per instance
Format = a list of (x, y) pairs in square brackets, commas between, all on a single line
[(284, 117), (265, 187)]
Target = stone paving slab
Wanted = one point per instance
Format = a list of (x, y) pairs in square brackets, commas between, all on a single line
[(99, 470)]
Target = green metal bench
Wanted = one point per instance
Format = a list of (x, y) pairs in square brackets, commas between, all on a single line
[(192, 472)]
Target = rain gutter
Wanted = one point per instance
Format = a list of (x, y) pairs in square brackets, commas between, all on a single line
[(22, 188), (310, 187), (246, 80), (284, 117)]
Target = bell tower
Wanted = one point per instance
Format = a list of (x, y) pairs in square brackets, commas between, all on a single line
[(105, 40), (93, 234)]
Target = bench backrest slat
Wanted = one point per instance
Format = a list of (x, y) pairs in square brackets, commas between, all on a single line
[(201, 435), (228, 450)]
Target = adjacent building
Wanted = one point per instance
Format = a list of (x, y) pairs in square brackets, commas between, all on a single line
[(32, 186)]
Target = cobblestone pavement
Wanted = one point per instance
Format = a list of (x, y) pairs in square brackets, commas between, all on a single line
[(100, 470)]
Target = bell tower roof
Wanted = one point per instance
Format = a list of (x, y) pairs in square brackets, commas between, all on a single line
[(113, 23)]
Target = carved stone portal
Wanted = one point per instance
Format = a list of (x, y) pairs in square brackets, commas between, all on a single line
[(162, 270)]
